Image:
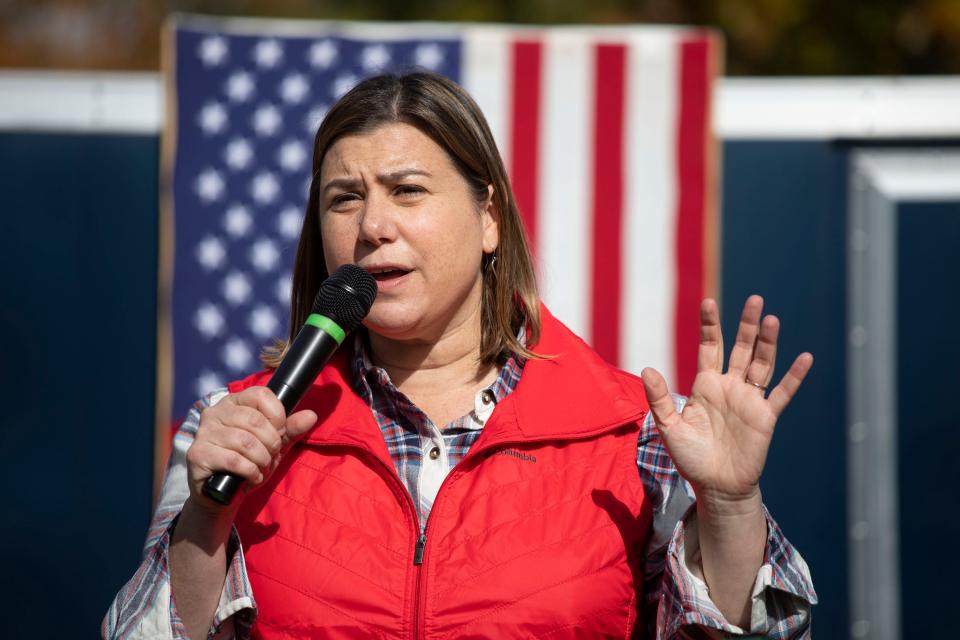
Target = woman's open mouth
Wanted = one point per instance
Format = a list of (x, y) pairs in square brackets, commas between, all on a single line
[(388, 277)]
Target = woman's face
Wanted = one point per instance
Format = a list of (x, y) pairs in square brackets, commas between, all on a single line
[(393, 202)]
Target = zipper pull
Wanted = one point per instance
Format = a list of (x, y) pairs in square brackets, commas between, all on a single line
[(418, 551)]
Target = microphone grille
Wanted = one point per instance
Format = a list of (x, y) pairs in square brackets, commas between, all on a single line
[(346, 296)]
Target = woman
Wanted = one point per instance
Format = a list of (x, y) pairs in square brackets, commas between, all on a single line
[(543, 525)]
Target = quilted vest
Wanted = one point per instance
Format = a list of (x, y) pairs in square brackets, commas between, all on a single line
[(538, 532)]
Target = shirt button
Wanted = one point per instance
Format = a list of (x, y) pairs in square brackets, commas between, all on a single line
[(434, 453), (487, 396)]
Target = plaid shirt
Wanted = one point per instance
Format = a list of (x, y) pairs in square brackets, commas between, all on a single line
[(677, 603), (422, 453)]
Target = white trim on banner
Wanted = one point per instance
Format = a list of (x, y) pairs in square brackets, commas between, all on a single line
[(746, 108), (830, 108), (108, 102)]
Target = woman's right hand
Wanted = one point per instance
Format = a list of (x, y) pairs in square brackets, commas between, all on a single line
[(244, 434)]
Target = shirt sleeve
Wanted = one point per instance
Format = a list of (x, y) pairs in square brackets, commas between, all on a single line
[(677, 603), (145, 606)]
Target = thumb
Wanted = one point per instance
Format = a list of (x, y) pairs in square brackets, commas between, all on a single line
[(294, 428), (299, 423), (659, 398)]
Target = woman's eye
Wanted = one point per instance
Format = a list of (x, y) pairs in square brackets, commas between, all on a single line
[(343, 198), (409, 189)]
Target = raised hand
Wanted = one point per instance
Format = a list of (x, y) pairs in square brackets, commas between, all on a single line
[(719, 442)]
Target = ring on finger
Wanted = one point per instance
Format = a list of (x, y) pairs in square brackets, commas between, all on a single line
[(756, 384)]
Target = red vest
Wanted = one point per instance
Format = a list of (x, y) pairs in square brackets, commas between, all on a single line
[(538, 532)]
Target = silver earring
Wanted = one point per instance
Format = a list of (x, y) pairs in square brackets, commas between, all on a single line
[(491, 265)]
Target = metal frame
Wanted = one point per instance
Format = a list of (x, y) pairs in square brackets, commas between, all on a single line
[(879, 182)]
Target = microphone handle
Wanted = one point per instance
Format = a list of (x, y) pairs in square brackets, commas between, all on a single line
[(306, 357)]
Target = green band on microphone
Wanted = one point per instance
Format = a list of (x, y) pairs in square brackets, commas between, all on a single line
[(328, 325)]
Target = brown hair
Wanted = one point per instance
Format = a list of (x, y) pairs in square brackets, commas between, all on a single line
[(443, 111)]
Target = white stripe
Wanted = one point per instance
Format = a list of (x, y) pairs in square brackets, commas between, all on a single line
[(646, 314), (564, 189), (130, 103), (487, 76)]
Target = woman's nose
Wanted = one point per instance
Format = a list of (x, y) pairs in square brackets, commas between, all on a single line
[(378, 222)]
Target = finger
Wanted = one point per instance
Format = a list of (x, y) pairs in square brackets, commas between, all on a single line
[(765, 354), (782, 394), (658, 396), (300, 423), (243, 442), (742, 352), (710, 353), (210, 459), (252, 420), (264, 401)]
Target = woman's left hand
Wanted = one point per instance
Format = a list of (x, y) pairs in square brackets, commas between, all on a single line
[(719, 442)]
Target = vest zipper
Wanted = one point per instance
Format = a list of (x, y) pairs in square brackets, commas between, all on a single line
[(418, 564), (418, 552), (419, 600)]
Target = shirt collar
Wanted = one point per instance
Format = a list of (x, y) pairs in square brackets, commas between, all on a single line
[(368, 378)]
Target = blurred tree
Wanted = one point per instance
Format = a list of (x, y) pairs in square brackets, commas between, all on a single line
[(764, 37)]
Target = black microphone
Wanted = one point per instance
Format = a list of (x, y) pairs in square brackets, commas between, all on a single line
[(343, 301)]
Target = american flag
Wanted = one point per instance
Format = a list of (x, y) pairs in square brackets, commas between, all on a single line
[(605, 133)]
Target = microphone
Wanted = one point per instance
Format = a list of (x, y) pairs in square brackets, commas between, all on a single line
[(343, 301)]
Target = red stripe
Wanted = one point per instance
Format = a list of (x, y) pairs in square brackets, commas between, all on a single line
[(694, 101), (608, 195), (525, 132)]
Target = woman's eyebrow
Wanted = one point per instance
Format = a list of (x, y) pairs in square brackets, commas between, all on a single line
[(348, 184), (399, 174), (341, 183)]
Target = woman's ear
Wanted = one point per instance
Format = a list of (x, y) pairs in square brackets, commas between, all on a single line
[(490, 219)]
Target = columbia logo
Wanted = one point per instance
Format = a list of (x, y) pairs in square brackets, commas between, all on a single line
[(519, 455)]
